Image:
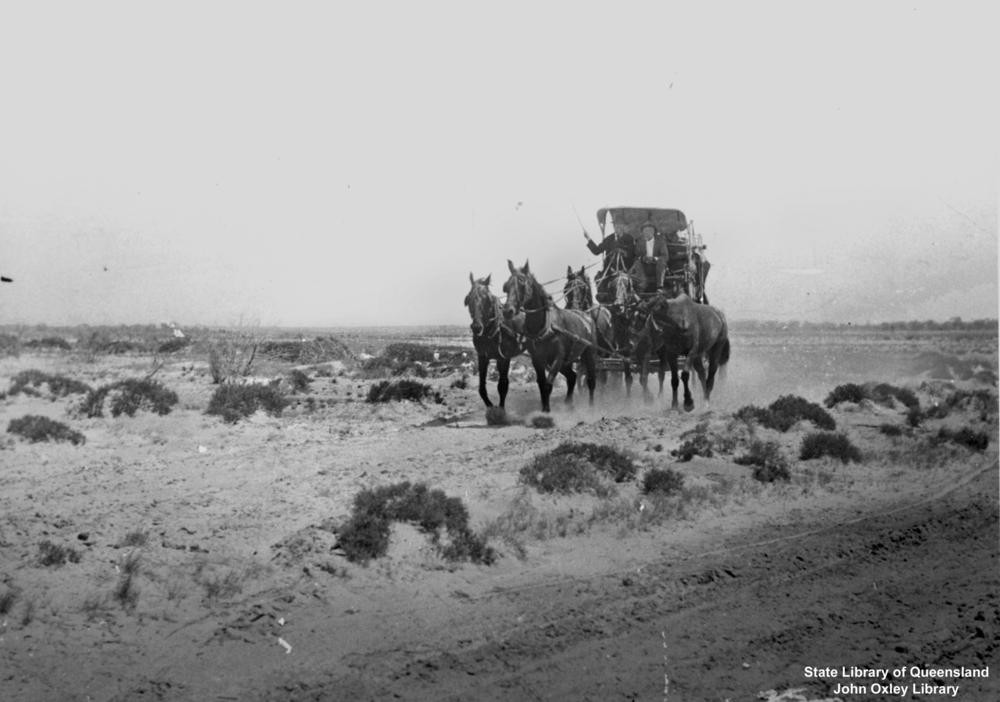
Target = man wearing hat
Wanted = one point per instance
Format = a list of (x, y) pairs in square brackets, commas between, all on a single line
[(651, 254)]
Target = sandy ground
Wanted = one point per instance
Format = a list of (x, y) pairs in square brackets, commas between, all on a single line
[(241, 594)]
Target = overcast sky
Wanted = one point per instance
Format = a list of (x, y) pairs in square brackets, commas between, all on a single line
[(350, 163)]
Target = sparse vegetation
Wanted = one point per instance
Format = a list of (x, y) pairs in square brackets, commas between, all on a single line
[(405, 389), (234, 402), (135, 538), (7, 599), (769, 463), (299, 380), (610, 461), (30, 381), (37, 428), (970, 438), (220, 587), (126, 591), (128, 397), (542, 421), (174, 345), (50, 554), (785, 412), (826, 443), (497, 417), (48, 342), (232, 355), (849, 392), (445, 519), (662, 481)]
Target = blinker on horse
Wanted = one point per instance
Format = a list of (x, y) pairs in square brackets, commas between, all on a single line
[(556, 338)]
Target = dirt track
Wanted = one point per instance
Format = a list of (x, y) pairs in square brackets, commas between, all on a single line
[(889, 562), (913, 585)]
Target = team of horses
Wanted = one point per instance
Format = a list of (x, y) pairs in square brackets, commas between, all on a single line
[(630, 328)]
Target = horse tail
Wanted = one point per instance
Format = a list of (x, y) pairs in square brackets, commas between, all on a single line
[(724, 354)]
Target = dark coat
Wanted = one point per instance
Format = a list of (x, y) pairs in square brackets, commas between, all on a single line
[(624, 242), (659, 247)]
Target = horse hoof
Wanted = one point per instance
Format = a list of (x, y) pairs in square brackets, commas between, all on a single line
[(688, 406)]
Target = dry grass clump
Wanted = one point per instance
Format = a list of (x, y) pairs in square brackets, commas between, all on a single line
[(126, 591), (662, 481), (129, 396), (235, 402), (405, 389), (769, 463), (36, 428), (28, 382), (827, 443), (542, 421), (444, 519), (497, 417), (50, 554), (785, 412)]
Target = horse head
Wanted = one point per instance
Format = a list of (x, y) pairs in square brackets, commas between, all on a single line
[(481, 303), (577, 291), (518, 289)]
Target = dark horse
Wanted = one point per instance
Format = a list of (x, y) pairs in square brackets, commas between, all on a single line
[(579, 296), (492, 338), (555, 337), (672, 327)]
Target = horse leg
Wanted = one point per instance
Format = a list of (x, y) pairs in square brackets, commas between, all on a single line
[(674, 383), (544, 386), (503, 368), (484, 367), (698, 363), (590, 363), (628, 378), (571, 377), (661, 371), (688, 399)]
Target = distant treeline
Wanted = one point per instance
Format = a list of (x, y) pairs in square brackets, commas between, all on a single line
[(929, 325)]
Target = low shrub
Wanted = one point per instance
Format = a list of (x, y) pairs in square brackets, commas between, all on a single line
[(971, 439), (59, 386), (129, 396), (827, 443), (914, 416), (697, 445), (408, 352), (606, 459), (234, 402), (769, 463), (48, 342), (36, 428), (178, 343), (460, 383), (662, 481), (50, 554), (10, 345), (983, 401), (405, 389), (785, 412), (890, 429), (849, 392), (445, 519), (884, 394), (562, 474), (299, 380)]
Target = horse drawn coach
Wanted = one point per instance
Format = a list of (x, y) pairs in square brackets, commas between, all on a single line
[(649, 310)]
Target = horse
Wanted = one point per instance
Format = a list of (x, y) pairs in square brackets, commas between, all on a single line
[(556, 338), (492, 338), (622, 305), (578, 296), (673, 327)]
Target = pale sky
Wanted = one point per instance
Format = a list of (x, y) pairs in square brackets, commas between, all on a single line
[(337, 163)]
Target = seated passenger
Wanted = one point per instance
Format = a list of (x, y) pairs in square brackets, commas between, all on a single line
[(652, 256)]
